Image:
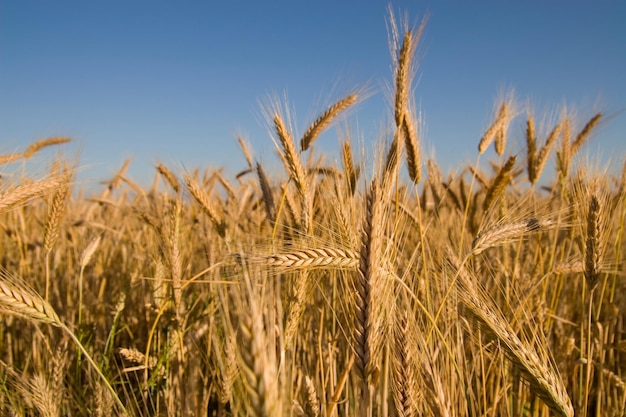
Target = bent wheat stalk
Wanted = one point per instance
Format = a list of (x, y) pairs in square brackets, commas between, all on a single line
[(542, 377), (17, 298), (324, 120)]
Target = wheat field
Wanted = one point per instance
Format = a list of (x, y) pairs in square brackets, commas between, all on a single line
[(359, 288)]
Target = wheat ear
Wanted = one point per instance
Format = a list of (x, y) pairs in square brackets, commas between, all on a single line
[(310, 259), (593, 247), (584, 133), (17, 298), (543, 379), (324, 120), (403, 367), (370, 264), (502, 179), (531, 150), (412, 148), (169, 177), (10, 157), (312, 404), (542, 158), (266, 190), (294, 167), (502, 233), (350, 171), (491, 131), (246, 151), (203, 199), (39, 145), (24, 192)]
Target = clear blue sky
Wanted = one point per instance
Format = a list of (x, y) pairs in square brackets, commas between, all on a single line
[(178, 81)]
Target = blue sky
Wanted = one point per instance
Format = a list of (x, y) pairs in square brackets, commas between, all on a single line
[(177, 82)]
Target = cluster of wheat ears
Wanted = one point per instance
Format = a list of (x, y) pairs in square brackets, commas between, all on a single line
[(324, 292)]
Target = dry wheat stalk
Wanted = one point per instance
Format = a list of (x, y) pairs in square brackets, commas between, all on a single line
[(498, 124), (266, 190), (593, 246), (204, 200), (570, 267), (542, 377), (435, 180), (412, 148), (43, 396), (89, 251), (542, 158), (584, 133), (312, 404), (392, 160), (17, 299), (136, 357), (531, 149), (229, 369), (37, 146), (173, 245), (403, 73), (564, 156), (310, 259), (22, 193), (324, 120), (11, 157), (55, 212), (500, 143), (294, 167), (403, 368), (230, 191), (169, 177), (303, 292), (246, 151), (503, 233), (291, 158), (370, 265), (500, 182), (435, 394), (254, 364), (350, 171), (479, 176)]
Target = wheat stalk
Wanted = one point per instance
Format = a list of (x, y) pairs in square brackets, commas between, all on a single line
[(55, 212), (412, 149), (310, 259), (503, 233), (294, 167), (324, 120), (16, 298), (403, 367), (24, 192), (502, 179), (543, 378), (350, 171), (542, 158), (531, 150), (312, 403), (11, 157), (37, 146), (268, 197), (497, 125), (593, 247), (169, 177), (246, 151), (203, 199), (584, 133)]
